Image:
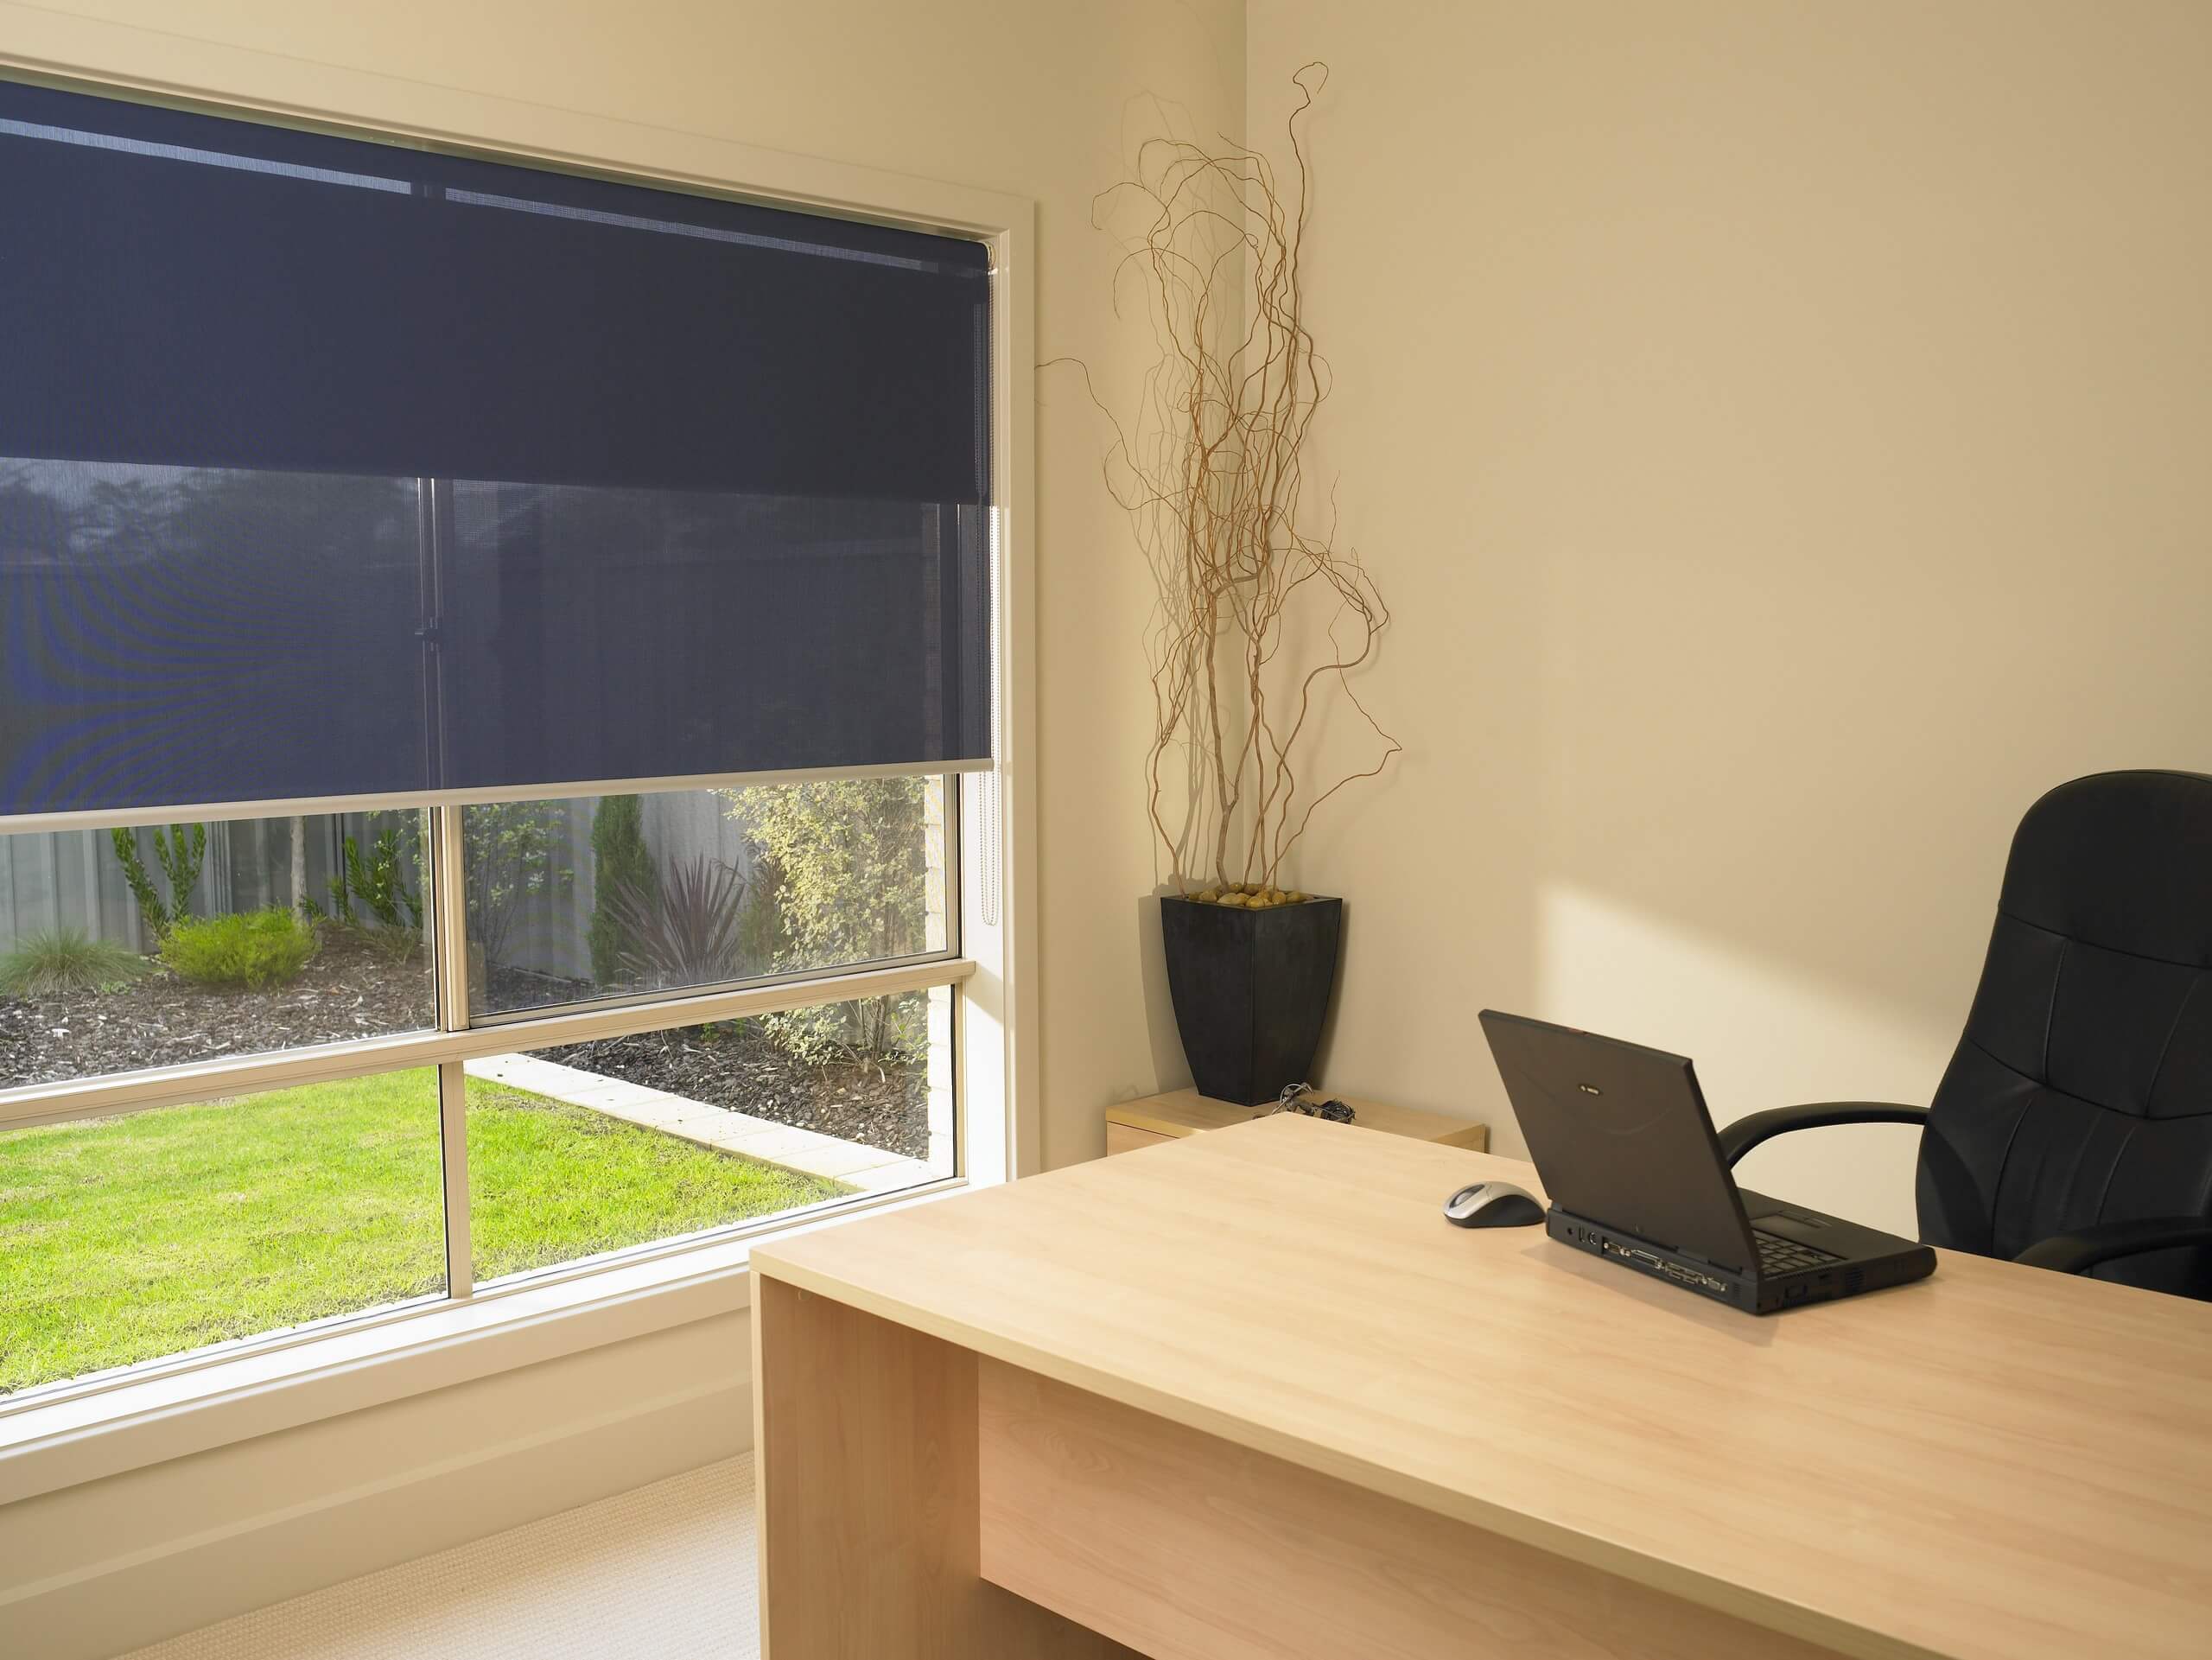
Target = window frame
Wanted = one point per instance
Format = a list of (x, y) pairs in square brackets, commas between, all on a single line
[(991, 852)]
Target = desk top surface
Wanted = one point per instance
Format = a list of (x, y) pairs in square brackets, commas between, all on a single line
[(1996, 1461)]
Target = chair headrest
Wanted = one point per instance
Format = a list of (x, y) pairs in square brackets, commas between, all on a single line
[(2120, 860)]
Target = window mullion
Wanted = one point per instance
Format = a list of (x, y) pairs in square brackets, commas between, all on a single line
[(452, 1139), (449, 953), (449, 918)]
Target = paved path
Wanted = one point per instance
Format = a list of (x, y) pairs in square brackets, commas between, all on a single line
[(859, 1166)]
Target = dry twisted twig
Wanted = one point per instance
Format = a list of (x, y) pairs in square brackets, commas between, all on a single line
[(1211, 468)]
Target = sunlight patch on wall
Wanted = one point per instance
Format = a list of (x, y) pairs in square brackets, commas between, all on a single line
[(1764, 1034)]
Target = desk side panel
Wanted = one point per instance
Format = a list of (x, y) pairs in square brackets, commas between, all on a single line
[(865, 1449)]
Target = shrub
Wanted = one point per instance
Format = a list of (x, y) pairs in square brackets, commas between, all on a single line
[(684, 932), (850, 865), (379, 881), (397, 946), (55, 961), (625, 868), (508, 859), (762, 939), (254, 948), (181, 857)]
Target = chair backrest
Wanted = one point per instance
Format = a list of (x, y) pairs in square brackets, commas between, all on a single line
[(2081, 1091)]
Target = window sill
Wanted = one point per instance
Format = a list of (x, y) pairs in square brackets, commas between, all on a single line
[(86, 1437)]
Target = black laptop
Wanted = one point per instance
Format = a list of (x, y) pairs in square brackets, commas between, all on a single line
[(1620, 1134)]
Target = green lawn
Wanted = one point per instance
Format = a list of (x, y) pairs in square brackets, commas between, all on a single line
[(129, 1238)]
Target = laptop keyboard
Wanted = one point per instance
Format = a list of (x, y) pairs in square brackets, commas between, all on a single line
[(1780, 1256)]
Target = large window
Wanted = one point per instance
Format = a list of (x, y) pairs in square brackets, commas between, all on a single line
[(486, 661)]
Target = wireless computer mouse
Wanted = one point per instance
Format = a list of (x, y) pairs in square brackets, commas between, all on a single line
[(1493, 1204)]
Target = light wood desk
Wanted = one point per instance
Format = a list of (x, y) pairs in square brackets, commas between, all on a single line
[(1247, 1394)]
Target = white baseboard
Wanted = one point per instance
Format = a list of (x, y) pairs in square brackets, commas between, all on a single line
[(106, 1567)]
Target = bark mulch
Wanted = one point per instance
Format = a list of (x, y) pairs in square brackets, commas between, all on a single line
[(352, 988), (732, 1066)]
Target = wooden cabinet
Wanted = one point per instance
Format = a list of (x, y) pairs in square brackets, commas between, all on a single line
[(1133, 1124)]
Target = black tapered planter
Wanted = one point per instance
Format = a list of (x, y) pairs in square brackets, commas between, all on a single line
[(1251, 989)]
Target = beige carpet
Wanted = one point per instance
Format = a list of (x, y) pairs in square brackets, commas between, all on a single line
[(664, 1572)]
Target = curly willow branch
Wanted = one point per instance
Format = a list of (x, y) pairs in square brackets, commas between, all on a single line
[(1209, 465)]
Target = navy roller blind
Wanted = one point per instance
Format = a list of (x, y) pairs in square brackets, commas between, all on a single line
[(335, 468)]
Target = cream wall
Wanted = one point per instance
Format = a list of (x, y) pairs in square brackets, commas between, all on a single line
[(1782, 429)]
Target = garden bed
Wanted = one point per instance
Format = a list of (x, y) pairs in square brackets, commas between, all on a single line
[(734, 1065), (353, 987)]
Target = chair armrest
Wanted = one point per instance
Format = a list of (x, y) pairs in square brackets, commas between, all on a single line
[(1745, 1134), (2084, 1248)]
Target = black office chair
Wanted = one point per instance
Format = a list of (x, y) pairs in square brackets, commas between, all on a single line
[(2072, 1129)]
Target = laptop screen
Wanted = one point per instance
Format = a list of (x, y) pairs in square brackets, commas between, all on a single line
[(1620, 1135)]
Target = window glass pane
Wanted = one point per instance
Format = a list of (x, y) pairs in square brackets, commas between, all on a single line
[(133, 949), (598, 1145), (129, 1238), (616, 896)]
